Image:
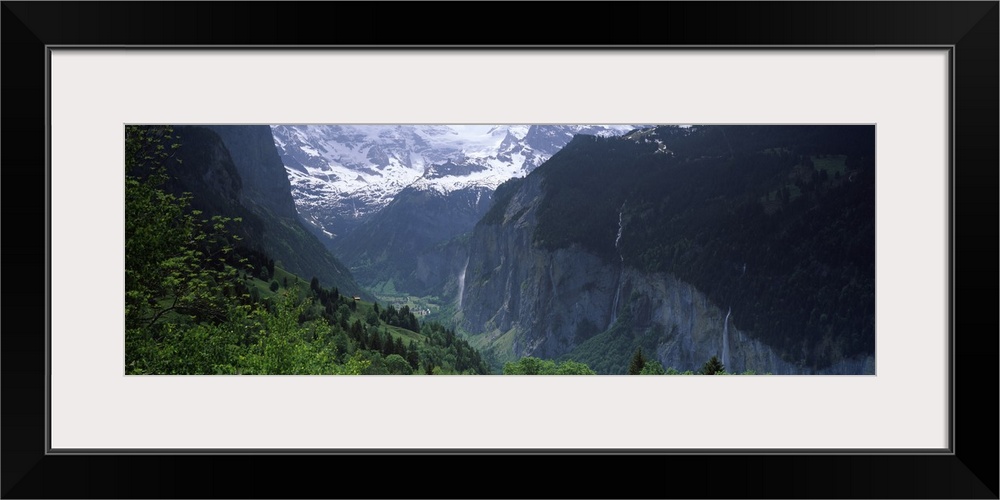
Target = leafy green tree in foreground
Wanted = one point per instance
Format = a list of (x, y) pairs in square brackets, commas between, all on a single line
[(653, 367), (535, 366), (397, 365), (174, 262), (189, 309), (185, 311), (573, 368)]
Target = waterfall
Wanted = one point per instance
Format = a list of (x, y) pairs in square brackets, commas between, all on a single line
[(461, 282), (614, 307), (618, 238), (621, 258), (725, 342)]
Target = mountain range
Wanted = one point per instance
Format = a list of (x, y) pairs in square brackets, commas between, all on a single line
[(754, 245), (343, 174), (234, 171)]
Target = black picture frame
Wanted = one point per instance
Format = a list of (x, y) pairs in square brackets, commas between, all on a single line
[(970, 28)]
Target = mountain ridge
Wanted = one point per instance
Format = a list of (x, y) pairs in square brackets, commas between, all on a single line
[(771, 225), (233, 170), (343, 174)]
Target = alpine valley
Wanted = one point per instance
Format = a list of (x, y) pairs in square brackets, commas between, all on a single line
[(515, 249), (754, 244), (396, 203)]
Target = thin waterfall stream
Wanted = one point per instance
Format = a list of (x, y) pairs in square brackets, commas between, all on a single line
[(725, 340), (461, 282), (621, 274)]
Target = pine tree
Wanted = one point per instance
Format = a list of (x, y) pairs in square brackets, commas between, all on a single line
[(412, 355), (638, 361), (712, 367)]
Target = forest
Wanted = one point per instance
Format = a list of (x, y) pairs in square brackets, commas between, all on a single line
[(199, 299), (775, 223)]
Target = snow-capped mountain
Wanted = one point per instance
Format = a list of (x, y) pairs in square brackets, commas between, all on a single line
[(341, 174)]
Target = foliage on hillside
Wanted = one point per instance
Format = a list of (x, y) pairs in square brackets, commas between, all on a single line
[(610, 352), (530, 365), (501, 200), (196, 303), (226, 180), (535, 366)]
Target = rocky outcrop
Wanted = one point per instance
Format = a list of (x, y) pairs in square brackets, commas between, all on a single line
[(416, 242), (523, 300), (265, 182), (553, 299), (695, 328), (234, 171)]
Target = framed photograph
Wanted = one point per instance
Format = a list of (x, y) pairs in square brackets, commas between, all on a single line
[(919, 78)]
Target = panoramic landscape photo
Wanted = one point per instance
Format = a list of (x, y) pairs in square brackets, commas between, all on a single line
[(531, 249)]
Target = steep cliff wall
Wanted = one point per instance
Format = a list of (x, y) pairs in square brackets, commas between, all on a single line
[(235, 171), (522, 300), (265, 182)]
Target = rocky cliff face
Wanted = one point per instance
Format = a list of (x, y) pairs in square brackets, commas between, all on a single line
[(692, 329), (203, 167), (265, 183), (414, 242), (522, 300), (234, 171), (528, 301)]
